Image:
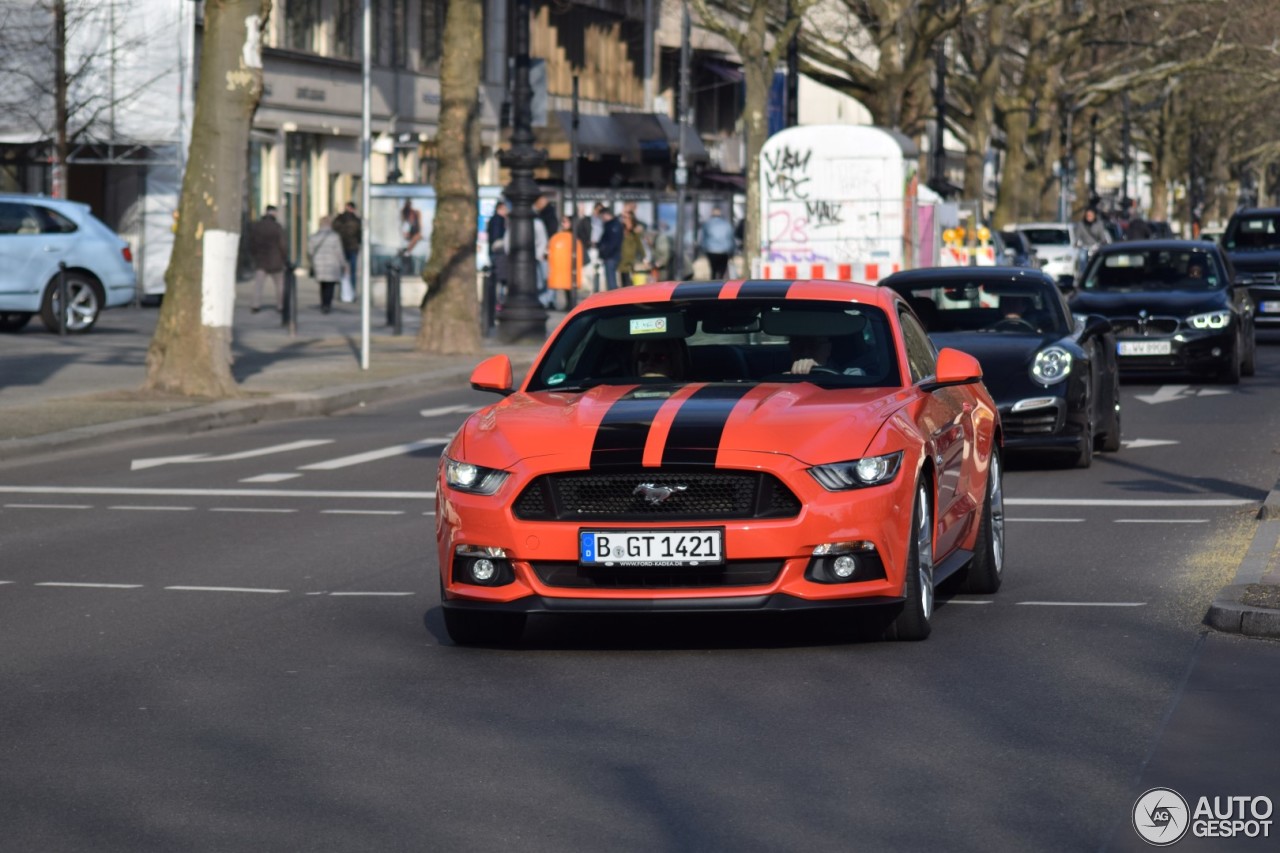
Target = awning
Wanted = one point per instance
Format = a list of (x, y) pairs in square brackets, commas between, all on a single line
[(632, 137)]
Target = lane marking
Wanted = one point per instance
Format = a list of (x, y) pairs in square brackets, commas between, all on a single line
[(224, 589), (1082, 603), (967, 601), (91, 585), (1047, 520), (371, 594), (270, 478), (372, 455), (1122, 502), (362, 512), (48, 506), (1160, 520), (155, 508), (215, 493), (247, 509), (140, 464), (1139, 443), (445, 410)]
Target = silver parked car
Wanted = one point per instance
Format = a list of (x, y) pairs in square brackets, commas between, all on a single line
[(36, 234)]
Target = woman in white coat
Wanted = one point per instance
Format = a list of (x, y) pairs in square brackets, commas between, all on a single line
[(328, 264)]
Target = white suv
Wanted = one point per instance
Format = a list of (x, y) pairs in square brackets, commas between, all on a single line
[(1055, 246), (39, 233)]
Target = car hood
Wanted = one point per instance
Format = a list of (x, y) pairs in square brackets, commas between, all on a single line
[(676, 424), (1122, 304), (1255, 260), (999, 353)]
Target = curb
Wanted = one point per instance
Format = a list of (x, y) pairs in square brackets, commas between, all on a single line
[(1261, 565), (229, 413)]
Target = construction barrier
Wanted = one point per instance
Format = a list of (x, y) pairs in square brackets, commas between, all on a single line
[(866, 273)]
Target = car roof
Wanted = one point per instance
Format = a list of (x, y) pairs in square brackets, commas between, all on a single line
[(1145, 245), (1022, 225), (1255, 211), (817, 289), (43, 199), (943, 274)]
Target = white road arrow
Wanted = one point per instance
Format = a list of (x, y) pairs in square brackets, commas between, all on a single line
[(445, 410), (1164, 394), (1136, 443), (139, 464), (373, 455)]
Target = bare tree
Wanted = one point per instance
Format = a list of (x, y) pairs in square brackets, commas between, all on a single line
[(450, 319), (190, 351)]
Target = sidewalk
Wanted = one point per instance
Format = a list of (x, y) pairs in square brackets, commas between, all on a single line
[(61, 392)]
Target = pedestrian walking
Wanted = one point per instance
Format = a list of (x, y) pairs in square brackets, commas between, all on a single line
[(609, 246), (1091, 233), (663, 253), (328, 261), (351, 232), (717, 242), (496, 229), (269, 252), (632, 253)]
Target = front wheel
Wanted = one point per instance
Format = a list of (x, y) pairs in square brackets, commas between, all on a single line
[(474, 628), (986, 569), (84, 304), (915, 620)]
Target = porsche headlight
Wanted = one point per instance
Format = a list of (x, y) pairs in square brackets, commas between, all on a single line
[(857, 473), (1052, 365), (475, 479), (1211, 320)]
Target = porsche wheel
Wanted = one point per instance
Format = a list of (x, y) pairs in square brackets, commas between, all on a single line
[(471, 628), (1111, 439), (986, 569), (915, 620)]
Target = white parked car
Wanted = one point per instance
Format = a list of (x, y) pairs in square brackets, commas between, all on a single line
[(36, 234), (1055, 246)]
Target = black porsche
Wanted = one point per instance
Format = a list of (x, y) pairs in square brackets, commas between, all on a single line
[(1054, 378), (1174, 306)]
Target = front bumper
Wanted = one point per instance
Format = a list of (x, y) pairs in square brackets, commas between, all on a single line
[(1048, 422), (1266, 300), (766, 603), (1189, 352)]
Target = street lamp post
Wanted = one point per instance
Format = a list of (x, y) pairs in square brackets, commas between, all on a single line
[(522, 319)]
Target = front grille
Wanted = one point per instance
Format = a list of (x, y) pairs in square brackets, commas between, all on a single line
[(1133, 327), (706, 495), (732, 573)]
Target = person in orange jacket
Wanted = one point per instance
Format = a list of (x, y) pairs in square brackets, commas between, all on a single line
[(562, 274)]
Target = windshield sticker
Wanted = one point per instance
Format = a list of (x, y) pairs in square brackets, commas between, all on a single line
[(648, 325), (555, 378)]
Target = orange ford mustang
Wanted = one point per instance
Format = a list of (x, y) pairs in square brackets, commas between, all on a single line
[(735, 446)]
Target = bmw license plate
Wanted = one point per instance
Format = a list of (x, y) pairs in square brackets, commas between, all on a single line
[(1144, 347), (1270, 307), (651, 547)]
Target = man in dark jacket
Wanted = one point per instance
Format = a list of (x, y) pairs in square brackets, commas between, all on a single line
[(349, 229), (610, 247), (269, 251)]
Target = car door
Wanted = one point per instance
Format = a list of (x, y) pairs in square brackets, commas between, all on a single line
[(19, 248), (947, 420)]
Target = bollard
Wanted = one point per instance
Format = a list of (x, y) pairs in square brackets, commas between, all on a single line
[(393, 295), (64, 309), (289, 316)]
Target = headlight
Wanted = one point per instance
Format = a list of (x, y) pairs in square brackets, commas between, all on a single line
[(466, 477), (1052, 365), (857, 473), (1212, 320)]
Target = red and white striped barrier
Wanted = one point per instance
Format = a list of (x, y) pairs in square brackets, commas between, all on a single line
[(864, 272)]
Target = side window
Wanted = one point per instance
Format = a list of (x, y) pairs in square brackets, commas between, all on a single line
[(18, 218), (53, 222), (922, 358)]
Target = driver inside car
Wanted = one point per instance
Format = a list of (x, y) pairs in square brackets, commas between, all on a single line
[(813, 354)]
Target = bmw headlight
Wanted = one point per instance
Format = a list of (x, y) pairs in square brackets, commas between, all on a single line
[(857, 473), (1211, 320), (475, 479), (1052, 365)]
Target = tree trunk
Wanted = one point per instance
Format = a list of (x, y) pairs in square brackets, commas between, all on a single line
[(61, 146), (757, 66), (191, 349), (450, 313), (1013, 174)]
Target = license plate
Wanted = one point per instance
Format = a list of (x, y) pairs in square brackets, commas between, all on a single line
[(1270, 307), (651, 547), (1145, 348)]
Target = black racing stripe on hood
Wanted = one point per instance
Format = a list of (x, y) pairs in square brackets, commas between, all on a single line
[(697, 290), (765, 289), (699, 423), (621, 436)]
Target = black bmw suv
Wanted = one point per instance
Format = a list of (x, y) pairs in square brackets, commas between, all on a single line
[(1174, 307), (1252, 242)]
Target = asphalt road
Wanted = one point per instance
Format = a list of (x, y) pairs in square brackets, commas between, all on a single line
[(217, 643)]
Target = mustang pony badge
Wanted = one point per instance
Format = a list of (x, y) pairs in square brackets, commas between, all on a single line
[(655, 494)]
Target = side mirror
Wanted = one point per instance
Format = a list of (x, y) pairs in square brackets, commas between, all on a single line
[(493, 374), (954, 368)]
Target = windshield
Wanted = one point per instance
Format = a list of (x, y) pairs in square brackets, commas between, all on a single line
[(1155, 269), (713, 340), (1048, 236), (1253, 232), (987, 306)]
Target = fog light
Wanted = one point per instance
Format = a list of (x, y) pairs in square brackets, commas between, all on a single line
[(844, 567), (1216, 352), (482, 571)]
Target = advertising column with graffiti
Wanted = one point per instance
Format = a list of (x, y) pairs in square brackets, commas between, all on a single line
[(837, 201)]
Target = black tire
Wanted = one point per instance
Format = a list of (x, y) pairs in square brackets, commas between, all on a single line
[(85, 298), (1249, 366), (1111, 439), (477, 628), (986, 569), (13, 321), (915, 620), (1084, 457)]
